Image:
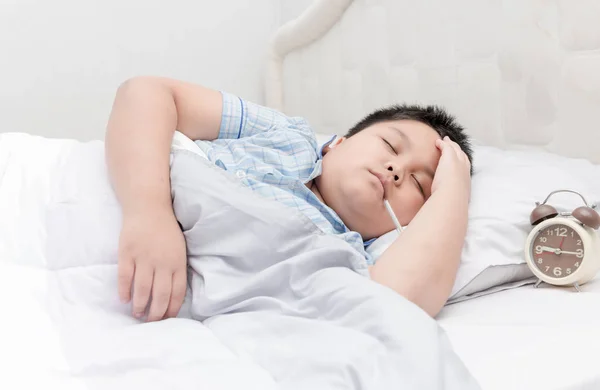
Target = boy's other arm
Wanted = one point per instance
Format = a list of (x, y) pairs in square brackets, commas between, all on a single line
[(422, 263), (145, 114)]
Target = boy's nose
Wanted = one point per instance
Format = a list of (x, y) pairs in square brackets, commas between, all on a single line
[(396, 172)]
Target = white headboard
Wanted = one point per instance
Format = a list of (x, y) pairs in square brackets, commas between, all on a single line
[(515, 73)]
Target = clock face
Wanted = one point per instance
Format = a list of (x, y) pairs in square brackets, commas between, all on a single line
[(557, 251)]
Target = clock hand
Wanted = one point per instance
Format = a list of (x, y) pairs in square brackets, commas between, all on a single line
[(568, 252), (549, 249)]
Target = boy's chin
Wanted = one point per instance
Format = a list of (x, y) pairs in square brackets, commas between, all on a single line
[(361, 220)]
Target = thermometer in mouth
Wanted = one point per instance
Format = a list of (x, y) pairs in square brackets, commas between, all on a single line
[(394, 219)]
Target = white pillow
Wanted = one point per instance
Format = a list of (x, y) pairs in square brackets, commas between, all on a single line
[(505, 186)]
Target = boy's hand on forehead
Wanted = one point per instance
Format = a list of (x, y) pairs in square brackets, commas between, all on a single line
[(454, 168), (434, 238)]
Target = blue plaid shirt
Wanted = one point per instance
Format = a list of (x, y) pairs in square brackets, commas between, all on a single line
[(275, 155)]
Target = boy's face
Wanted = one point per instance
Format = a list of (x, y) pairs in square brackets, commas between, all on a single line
[(392, 160)]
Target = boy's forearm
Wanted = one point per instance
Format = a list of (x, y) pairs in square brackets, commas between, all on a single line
[(139, 134), (422, 263)]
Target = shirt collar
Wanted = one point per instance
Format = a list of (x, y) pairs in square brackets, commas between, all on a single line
[(369, 242), (318, 168), (324, 145)]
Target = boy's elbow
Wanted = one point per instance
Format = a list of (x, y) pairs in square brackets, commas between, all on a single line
[(137, 83), (429, 296), (429, 300)]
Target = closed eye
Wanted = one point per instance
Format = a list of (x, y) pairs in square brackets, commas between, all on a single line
[(390, 145), (419, 185)]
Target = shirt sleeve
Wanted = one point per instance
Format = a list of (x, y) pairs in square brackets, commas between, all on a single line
[(242, 118)]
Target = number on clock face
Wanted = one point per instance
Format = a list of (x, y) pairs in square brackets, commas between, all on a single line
[(557, 251)]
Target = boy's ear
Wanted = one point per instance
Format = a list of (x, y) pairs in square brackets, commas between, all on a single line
[(333, 144)]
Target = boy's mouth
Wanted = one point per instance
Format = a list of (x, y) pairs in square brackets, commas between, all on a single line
[(382, 179)]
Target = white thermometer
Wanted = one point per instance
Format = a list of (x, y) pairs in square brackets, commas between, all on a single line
[(394, 219)]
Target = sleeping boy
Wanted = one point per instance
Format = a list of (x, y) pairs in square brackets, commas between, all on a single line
[(415, 157)]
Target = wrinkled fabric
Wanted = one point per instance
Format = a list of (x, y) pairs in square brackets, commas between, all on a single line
[(300, 303)]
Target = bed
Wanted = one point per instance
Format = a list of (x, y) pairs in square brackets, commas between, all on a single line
[(521, 77)]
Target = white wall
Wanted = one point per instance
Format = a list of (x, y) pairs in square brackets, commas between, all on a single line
[(62, 60), (290, 9)]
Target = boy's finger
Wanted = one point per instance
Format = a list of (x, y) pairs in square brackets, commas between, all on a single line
[(457, 149), (126, 269), (142, 285), (177, 294), (161, 295), (454, 146)]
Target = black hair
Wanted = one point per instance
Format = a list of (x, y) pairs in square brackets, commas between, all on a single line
[(433, 116)]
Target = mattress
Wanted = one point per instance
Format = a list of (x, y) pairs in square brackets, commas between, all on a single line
[(527, 338)]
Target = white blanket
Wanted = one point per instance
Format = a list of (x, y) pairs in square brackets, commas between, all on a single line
[(64, 326)]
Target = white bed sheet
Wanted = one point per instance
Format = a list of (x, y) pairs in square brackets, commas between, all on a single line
[(526, 338)]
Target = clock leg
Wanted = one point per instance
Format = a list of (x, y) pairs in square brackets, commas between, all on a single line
[(576, 285), (537, 283)]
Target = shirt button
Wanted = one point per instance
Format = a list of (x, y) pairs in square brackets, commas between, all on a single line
[(240, 174)]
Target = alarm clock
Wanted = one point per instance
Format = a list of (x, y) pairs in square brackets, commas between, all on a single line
[(563, 248)]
